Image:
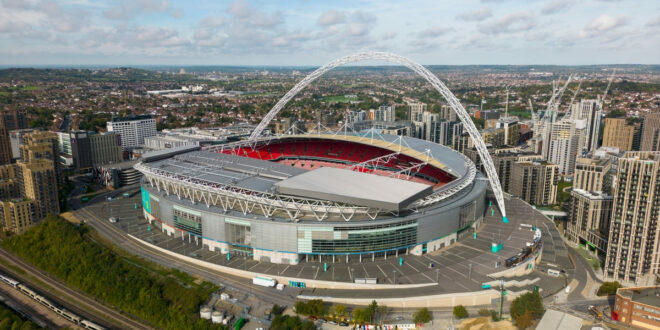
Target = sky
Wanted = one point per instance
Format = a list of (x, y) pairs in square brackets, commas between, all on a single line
[(313, 32)]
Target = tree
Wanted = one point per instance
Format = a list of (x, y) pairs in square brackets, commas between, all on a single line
[(300, 307), (360, 316), (484, 312), (530, 301), (340, 310), (422, 316), (371, 311), (608, 288), (524, 321), (460, 312)]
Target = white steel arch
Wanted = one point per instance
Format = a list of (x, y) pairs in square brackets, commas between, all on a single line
[(454, 103)]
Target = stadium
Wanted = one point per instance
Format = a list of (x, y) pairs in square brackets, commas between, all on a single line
[(315, 197)]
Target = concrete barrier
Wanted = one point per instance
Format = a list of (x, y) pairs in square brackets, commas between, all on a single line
[(477, 298)]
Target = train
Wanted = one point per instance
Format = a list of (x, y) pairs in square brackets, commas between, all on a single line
[(526, 252), (72, 317)]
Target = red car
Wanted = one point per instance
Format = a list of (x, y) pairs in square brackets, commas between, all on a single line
[(312, 317)]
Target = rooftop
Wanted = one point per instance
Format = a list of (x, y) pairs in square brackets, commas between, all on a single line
[(346, 186), (131, 118), (648, 296)]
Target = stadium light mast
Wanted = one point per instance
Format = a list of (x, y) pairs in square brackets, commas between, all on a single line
[(423, 72)]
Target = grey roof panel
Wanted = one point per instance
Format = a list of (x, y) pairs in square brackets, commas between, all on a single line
[(346, 186)]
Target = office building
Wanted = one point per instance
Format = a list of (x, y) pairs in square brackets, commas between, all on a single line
[(535, 182), (589, 219), (638, 307), (618, 133), (651, 132), (633, 239), (106, 148), (40, 145), (132, 130), (76, 150), (38, 181)]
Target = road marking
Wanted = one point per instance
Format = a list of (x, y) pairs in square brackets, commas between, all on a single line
[(287, 267), (365, 271), (301, 269), (381, 270)]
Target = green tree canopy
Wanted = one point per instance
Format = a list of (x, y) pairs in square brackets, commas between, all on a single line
[(460, 312), (530, 301), (422, 315)]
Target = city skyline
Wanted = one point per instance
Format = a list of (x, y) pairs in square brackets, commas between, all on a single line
[(161, 32)]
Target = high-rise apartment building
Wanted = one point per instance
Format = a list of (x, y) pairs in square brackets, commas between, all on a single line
[(504, 159), (593, 174), (416, 110), (17, 215), (40, 145), (535, 182), (618, 133), (511, 128), (589, 218), (15, 119), (9, 187), (565, 143), (132, 130), (105, 148), (38, 181), (651, 133), (633, 234)]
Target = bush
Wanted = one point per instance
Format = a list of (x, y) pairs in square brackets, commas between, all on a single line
[(484, 312), (168, 300), (524, 321), (494, 316), (460, 312), (608, 288), (528, 302), (314, 307), (422, 316), (286, 322)]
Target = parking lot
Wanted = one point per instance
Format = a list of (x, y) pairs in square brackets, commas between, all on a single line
[(461, 267)]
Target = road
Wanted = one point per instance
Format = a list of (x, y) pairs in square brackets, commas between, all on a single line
[(65, 296)]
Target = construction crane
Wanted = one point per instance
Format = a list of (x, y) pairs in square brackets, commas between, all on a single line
[(570, 105), (609, 83)]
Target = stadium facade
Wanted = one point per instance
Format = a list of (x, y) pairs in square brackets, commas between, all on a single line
[(288, 199)]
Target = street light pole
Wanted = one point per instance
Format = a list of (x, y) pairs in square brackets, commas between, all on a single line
[(394, 272)]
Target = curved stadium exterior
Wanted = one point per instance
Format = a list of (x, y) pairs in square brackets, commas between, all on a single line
[(299, 197)]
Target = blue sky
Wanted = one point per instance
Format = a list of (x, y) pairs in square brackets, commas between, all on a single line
[(309, 32)]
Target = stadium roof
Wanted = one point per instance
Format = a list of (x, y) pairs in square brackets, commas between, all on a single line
[(346, 186)]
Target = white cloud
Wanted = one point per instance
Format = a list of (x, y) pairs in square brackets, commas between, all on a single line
[(557, 6), (128, 9), (514, 22), (389, 35), (434, 31), (331, 17), (654, 22), (602, 24), (477, 15)]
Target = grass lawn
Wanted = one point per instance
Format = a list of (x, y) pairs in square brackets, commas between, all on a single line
[(340, 99), (591, 259)]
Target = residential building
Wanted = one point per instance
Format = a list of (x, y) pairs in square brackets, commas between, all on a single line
[(503, 160), (633, 238), (494, 137), (9, 187), (40, 145), (565, 144), (132, 130), (15, 119), (16, 140), (589, 218), (511, 128), (618, 133), (535, 182), (650, 133), (416, 110), (638, 307), (17, 215), (38, 181), (5, 144), (593, 174)]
